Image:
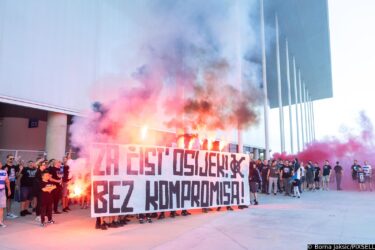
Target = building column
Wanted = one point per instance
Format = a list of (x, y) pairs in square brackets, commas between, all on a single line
[(301, 109), (306, 113), (264, 81), (281, 111), (56, 135), (313, 118), (310, 118), (296, 103), (289, 97), (256, 153)]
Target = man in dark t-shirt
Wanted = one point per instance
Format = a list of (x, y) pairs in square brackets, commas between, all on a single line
[(338, 173), (272, 177), (326, 175), (56, 178), (27, 181), (361, 178), (46, 189), (355, 168), (264, 173), (286, 175), (317, 175), (65, 183), (310, 175)]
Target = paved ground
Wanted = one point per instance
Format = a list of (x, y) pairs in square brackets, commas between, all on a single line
[(278, 222)]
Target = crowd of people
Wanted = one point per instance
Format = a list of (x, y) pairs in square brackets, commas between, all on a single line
[(43, 185), (38, 187), (294, 177)]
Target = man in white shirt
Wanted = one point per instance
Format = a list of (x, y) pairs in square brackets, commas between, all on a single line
[(367, 169)]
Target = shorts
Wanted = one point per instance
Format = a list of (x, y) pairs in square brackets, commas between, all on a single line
[(253, 187), (310, 180), (368, 179), (12, 189), (354, 176), (64, 190), (317, 179), (36, 190), (325, 178), (26, 194), (3, 198), (303, 178)]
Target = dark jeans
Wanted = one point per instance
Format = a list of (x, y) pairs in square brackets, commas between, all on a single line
[(38, 204), (56, 194), (287, 185), (338, 181), (279, 185), (264, 185), (46, 210)]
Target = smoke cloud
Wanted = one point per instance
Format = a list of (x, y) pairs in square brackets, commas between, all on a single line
[(188, 64), (346, 149)]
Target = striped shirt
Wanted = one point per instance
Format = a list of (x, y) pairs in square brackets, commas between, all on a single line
[(3, 177), (367, 169)]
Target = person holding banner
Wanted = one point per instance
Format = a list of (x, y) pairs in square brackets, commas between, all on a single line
[(254, 180)]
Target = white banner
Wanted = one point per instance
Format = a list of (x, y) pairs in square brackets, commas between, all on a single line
[(132, 179)]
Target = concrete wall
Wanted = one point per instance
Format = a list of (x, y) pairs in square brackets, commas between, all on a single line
[(15, 134)]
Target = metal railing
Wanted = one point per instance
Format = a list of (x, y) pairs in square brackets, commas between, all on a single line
[(25, 155)]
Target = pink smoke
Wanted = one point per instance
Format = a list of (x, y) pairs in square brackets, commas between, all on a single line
[(358, 147)]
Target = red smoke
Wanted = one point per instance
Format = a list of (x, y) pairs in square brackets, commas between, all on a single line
[(214, 104), (358, 147)]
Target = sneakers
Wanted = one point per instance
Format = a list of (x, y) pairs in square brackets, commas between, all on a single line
[(149, 220), (218, 209), (51, 222), (57, 212), (65, 210), (11, 216), (229, 209), (256, 202), (68, 208), (113, 225), (141, 221), (103, 227), (123, 222), (38, 219), (25, 212), (42, 224), (2, 225), (185, 213)]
